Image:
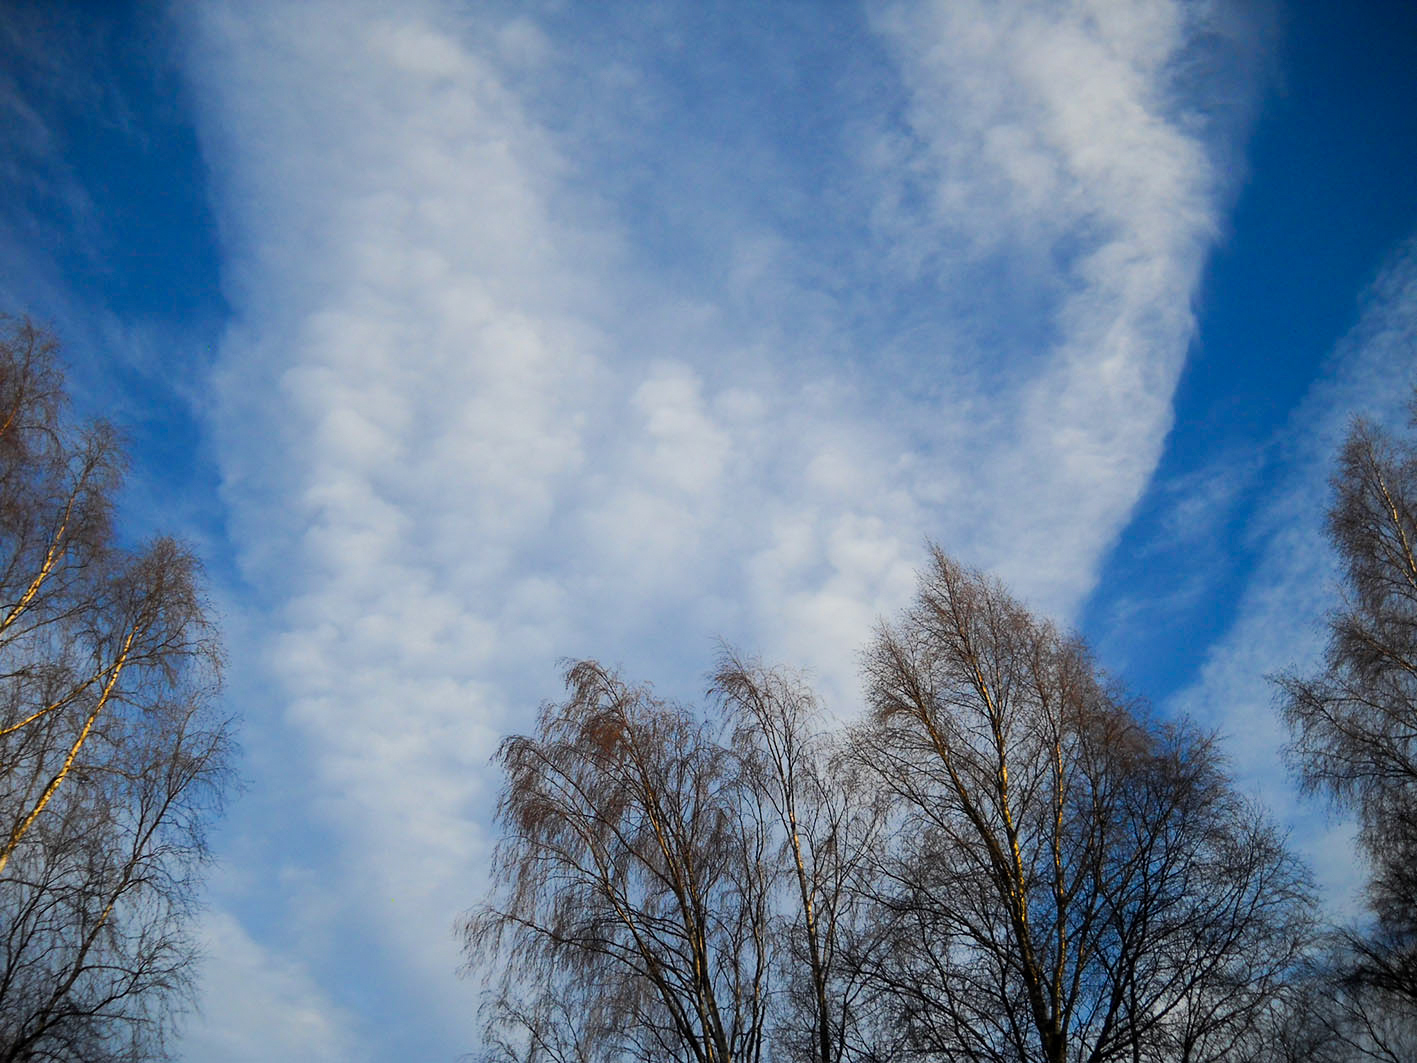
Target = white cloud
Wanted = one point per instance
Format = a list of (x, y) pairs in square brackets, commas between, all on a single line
[(1050, 150), (259, 1006), (397, 409), (464, 431)]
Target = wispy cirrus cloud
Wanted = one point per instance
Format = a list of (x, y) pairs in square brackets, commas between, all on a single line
[(1280, 621), (470, 420)]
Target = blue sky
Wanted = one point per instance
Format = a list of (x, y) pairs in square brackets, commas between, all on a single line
[(461, 338)]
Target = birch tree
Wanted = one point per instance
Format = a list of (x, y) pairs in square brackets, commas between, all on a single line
[(630, 918), (112, 755), (826, 820), (1068, 881)]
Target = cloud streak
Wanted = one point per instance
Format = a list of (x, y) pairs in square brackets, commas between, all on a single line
[(1054, 149)]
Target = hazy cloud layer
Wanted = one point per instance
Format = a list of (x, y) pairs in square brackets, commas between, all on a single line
[(465, 428)]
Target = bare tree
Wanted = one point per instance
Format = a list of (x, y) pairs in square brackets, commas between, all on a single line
[(678, 885), (110, 756), (1004, 862), (631, 917), (826, 821), (1068, 881), (1354, 725)]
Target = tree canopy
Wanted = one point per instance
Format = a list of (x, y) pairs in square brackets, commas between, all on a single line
[(1005, 860)]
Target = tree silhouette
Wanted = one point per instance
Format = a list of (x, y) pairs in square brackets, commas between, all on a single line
[(1004, 861)]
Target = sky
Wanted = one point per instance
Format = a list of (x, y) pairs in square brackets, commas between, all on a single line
[(464, 338)]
